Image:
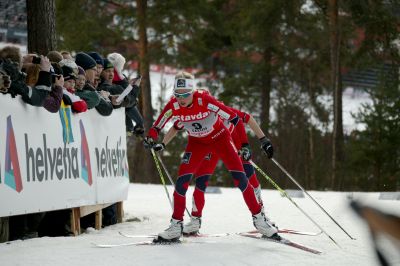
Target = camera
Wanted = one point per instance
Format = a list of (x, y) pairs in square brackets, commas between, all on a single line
[(36, 60)]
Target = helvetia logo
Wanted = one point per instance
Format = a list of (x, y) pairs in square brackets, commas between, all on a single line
[(85, 157), (12, 171)]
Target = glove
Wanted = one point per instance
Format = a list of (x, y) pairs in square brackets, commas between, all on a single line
[(148, 142), (245, 152), (266, 146), (158, 146), (138, 130), (5, 81)]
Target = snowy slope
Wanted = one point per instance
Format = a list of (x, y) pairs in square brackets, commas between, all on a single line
[(224, 212)]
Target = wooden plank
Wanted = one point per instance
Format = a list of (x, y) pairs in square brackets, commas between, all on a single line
[(85, 210)]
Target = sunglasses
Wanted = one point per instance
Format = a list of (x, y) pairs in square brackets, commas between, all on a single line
[(182, 95)]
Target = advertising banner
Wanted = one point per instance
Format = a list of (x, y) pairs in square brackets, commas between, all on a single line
[(51, 161)]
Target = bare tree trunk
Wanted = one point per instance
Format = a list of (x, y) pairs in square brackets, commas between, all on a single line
[(337, 136), (144, 169), (311, 146), (266, 91), (41, 26)]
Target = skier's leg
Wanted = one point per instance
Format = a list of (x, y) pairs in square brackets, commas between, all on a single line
[(226, 150), (203, 174), (193, 156), (194, 153)]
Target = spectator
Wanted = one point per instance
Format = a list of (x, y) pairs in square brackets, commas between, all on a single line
[(70, 63), (52, 102), (103, 106), (77, 104), (80, 79), (99, 62), (54, 56), (66, 55), (12, 60), (132, 113), (87, 92)]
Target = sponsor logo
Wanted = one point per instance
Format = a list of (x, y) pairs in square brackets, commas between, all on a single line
[(43, 163), (197, 116), (112, 161), (208, 157), (85, 157), (212, 107), (223, 114), (186, 157), (218, 133), (181, 83), (12, 171)]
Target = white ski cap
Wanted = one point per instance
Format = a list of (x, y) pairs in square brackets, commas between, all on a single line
[(184, 83)]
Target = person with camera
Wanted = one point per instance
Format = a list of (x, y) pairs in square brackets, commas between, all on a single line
[(12, 64), (52, 102)]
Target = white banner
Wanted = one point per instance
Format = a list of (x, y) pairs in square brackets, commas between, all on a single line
[(53, 161)]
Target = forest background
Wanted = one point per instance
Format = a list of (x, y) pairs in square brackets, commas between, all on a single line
[(285, 62)]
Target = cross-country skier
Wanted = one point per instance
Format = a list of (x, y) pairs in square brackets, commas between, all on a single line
[(209, 163), (198, 113)]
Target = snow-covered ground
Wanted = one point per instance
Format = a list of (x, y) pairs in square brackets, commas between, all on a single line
[(225, 212)]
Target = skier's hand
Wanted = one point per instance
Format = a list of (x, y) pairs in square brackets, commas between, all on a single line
[(245, 152), (266, 146), (148, 142), (158, 146)]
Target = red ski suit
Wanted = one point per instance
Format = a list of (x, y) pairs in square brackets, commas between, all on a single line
[(207, 167), (207, 134)]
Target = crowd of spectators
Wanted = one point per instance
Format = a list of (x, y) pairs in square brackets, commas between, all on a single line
[(83, 82), (86, 81)]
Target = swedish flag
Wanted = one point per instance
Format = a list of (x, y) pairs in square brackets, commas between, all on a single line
[(65, 116)]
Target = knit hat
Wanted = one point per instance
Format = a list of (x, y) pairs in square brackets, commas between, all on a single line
[(85, 61), (68, 73), (96, 57), (107, 64)]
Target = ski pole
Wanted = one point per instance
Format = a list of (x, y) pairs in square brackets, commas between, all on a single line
[(283, 193), (170, 178), (297, 184), (161, 176)]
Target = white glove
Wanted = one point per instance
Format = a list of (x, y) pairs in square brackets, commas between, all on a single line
[(118, 62)]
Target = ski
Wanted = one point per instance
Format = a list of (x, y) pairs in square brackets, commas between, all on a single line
[(153, 242), (291, 231), (283, 241), (185, 236), (142, 243)]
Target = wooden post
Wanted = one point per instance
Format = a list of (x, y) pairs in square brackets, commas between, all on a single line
[(98, 219), (76, 221), (120, 212)]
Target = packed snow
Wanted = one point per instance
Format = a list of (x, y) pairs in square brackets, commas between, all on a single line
[(224, 213)]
